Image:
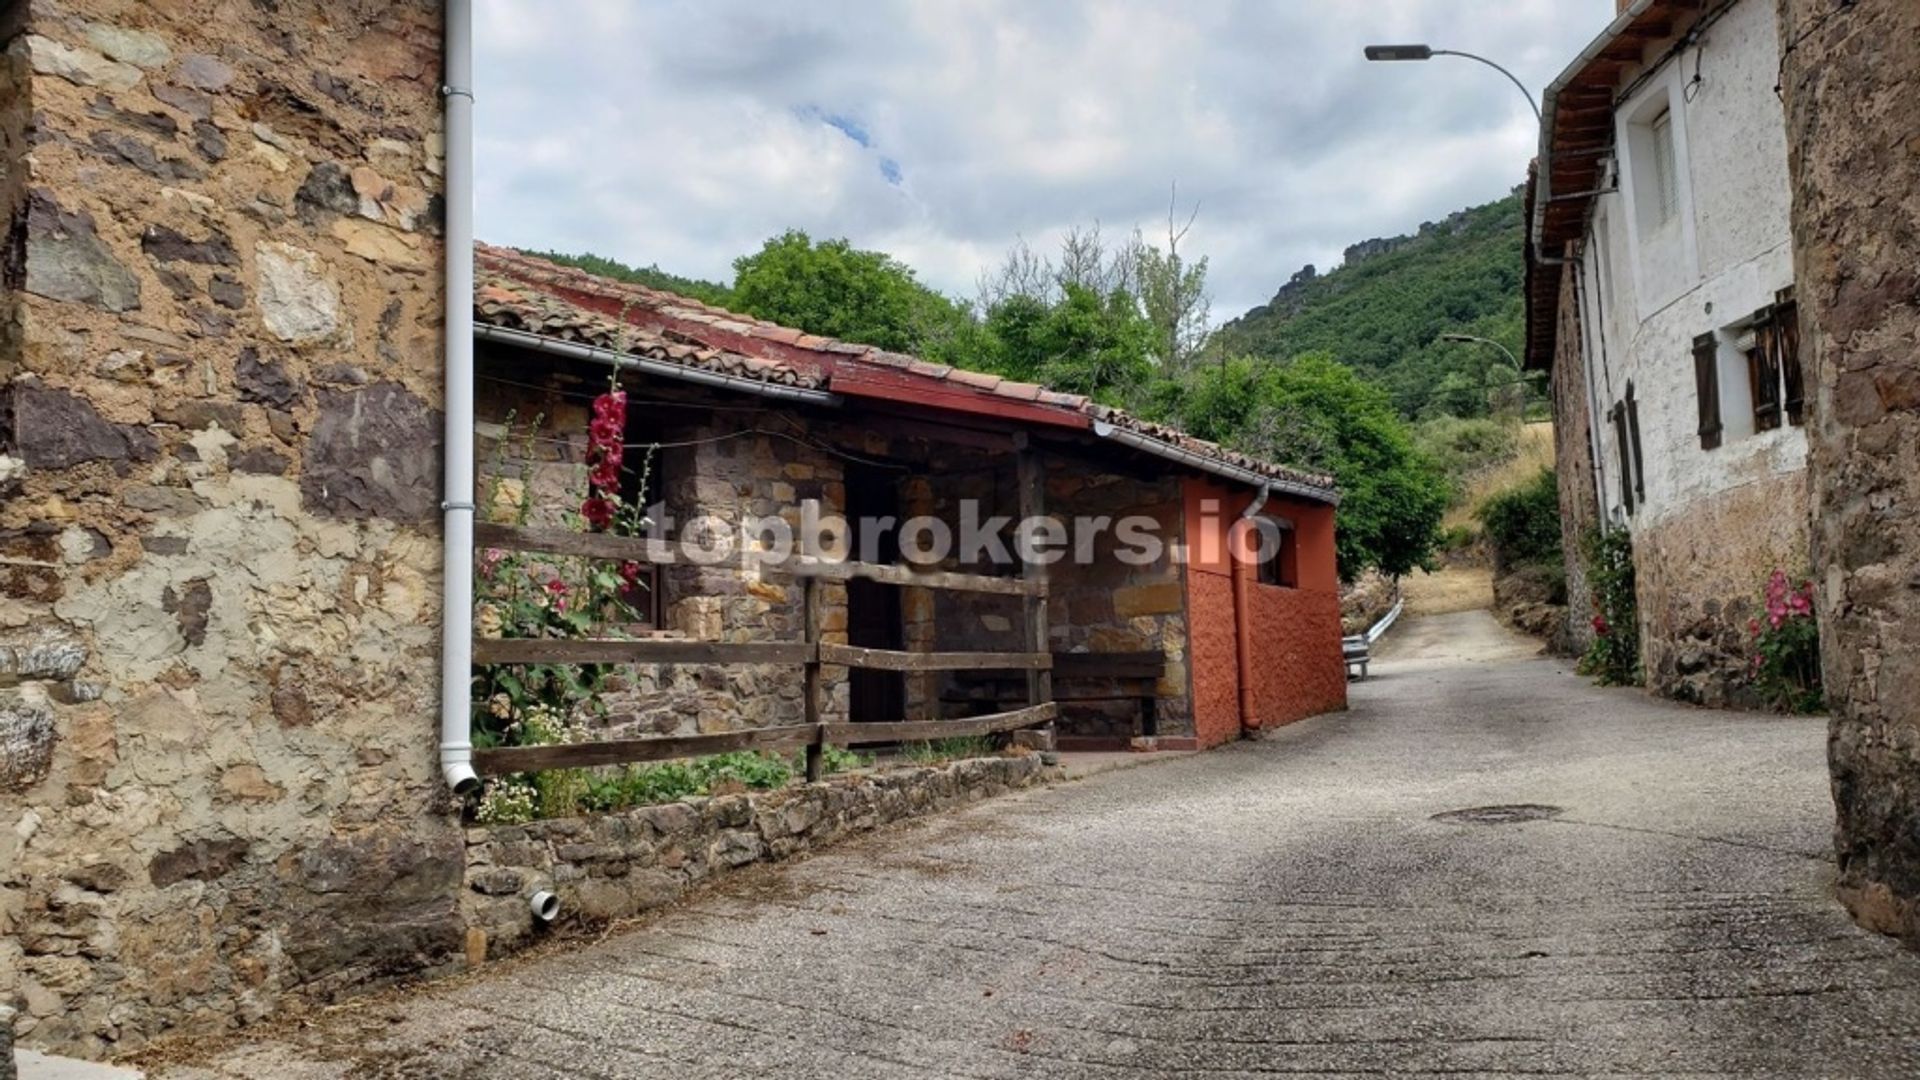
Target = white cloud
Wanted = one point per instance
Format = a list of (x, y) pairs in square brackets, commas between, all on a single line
[(685, 133)]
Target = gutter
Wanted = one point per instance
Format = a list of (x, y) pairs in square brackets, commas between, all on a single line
[(1106, 429), (1242, 618), (1550, 106), (646, 365), (456, 610)]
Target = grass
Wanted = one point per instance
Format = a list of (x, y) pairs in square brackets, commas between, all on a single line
[(939, 750), (1536, 453)]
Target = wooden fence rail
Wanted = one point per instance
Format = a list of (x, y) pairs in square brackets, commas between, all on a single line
[(810, 652)]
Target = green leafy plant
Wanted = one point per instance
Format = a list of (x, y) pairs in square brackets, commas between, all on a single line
[(836, 759), (1785, 666), (1524, 523), (750, 768), (1614, 657)]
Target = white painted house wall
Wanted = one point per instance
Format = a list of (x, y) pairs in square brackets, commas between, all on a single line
[(1653, 284)]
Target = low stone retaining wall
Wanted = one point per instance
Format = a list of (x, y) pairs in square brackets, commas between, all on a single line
[(615, 865)]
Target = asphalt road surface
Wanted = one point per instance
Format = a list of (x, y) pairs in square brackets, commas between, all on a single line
[(1655, 900)]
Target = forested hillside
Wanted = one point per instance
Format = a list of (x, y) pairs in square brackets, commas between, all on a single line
[(1327, 375), (1383, 309)]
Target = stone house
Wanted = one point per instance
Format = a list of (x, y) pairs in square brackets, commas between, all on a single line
[(222, 313), (1660, 294), (872, 435)]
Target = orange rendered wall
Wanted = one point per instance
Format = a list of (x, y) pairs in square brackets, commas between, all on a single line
[(1293, 633)]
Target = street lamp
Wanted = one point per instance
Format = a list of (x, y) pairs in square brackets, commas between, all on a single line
[(1508, 353), (1423, 52)]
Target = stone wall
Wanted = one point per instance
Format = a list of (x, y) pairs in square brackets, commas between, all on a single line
[(1699, 580), (1573, 456), (219, 478), (1851, 82), (618, 865)]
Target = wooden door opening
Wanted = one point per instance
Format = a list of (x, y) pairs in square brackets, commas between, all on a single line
[(873, 608)]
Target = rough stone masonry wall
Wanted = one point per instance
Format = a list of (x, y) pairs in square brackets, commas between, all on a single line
[(617, 865), (706, 472), (219, 426), (1573, 457), (1699, 577), (1851, 81)]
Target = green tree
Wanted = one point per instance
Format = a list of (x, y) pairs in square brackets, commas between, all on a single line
[(707, 292), (834, 290), (1316, 413)]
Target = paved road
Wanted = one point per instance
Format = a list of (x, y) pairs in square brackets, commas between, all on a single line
[(1284, 906)]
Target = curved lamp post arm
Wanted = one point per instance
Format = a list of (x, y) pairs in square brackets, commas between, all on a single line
[(1524, 92), (1504, 351)]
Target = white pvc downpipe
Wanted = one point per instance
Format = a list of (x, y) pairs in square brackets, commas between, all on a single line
[(456, 613)]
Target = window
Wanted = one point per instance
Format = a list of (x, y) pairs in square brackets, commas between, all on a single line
[(1665, 177), (1282, 563), (1706, 384)]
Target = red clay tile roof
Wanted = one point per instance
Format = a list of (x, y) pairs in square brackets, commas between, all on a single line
[(523, 292)]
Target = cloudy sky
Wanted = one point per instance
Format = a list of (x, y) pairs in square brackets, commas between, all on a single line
[(685, 133)]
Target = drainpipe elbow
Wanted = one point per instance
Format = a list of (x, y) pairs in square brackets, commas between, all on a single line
[(456, 764)]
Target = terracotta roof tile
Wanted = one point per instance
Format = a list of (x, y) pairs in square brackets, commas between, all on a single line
[(512, 305), (523, 292)]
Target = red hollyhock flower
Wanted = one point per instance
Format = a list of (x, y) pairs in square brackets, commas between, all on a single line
[(611, 406), (1600, 625), (604, 433), (605, 474), (630, 573), (597, 511)]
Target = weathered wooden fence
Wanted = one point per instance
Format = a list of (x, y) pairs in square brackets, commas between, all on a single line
[(810, 653)]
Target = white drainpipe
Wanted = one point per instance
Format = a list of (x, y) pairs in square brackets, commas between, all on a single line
[(456, 616)]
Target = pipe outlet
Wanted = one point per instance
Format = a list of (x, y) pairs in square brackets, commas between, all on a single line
[(545, 905)]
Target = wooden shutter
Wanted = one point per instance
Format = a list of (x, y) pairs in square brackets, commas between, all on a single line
[(1619, 415), (1706, 383), (1763, 367), (1633, 437), (1786, 335)]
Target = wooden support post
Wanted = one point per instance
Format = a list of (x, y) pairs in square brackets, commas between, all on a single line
[(1033, 504), (810, 622)]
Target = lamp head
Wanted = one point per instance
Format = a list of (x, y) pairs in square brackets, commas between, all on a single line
[(1399, 52)]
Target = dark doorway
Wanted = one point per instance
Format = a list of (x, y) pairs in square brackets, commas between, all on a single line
[(873, 609)]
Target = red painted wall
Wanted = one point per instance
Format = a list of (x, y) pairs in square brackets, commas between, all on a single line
[(1212, 659), (1293, 634)]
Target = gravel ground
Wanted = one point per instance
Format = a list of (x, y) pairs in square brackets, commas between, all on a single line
[(1287, 905)]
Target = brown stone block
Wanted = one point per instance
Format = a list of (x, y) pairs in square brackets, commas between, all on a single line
[(1162, 598)]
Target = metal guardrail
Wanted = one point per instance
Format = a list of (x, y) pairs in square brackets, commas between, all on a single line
[(1386, 621)]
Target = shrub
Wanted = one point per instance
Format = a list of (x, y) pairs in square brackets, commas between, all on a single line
[(1786, 648), (1523, 523), (1614, 657)]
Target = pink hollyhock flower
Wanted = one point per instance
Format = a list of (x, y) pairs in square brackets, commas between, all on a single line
[(597, 511), (1753, 627), (490, 560)]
